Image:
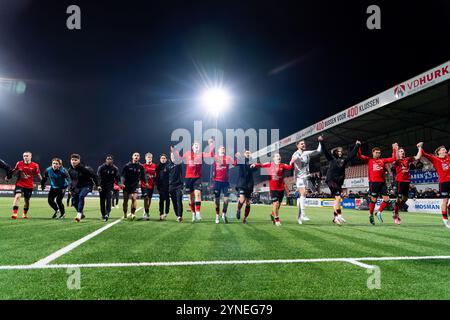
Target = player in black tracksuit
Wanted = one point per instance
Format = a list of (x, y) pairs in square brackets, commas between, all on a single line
[(7, 168), (336, 174), (132, 174), (162, 183), (83, 179), (244, 185), (108, 174), (176, 185)]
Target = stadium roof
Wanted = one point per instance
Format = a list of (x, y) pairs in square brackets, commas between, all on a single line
[(415, 110)]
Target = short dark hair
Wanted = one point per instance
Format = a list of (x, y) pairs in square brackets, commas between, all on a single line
[(376, 149), (75, 156), (109, 156), (163, 155), (297, 143)]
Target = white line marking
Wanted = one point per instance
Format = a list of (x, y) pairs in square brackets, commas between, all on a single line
[(45, 261), (359, 264), (355, 261)]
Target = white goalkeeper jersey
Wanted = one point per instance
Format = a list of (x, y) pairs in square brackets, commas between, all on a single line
[(301, 164)]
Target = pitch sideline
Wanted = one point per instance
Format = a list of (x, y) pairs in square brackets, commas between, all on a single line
[(354, 261)]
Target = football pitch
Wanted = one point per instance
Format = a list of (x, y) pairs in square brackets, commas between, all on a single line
[(42, 258)]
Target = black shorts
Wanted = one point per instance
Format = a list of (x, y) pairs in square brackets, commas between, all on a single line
[(276, 195), (191, 184), (221, 187), (147, 192), (444, 189), (130, 189), (246, 192), (378, 189), (335, 188), (26, 192), (403, 189)]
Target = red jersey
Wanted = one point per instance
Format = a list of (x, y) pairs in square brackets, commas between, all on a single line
[(221, 168), (150, 171), (402, 169), (276, 174), (442, 166), (376, 166), (27, 173), (194, 162)]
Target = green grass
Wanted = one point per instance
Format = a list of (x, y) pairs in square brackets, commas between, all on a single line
[(27, 241)]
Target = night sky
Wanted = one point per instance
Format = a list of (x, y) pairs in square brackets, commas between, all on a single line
[(130, 76)]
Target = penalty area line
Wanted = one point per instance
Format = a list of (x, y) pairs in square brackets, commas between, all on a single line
[(354, 261)]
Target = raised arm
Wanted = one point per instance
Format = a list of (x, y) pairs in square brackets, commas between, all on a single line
[(361, 156), (325, 151), (353, 152), (209, 154), (393, 157), (419, 151)]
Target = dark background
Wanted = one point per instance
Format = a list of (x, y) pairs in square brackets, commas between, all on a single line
[(130, 76)]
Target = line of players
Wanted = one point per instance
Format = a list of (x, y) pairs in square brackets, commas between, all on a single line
[(167, 176)]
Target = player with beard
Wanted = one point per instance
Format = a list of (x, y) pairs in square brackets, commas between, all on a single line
[(377, 179), (336, 174), (108, 175), (133, 173), (245, 184), (301, 173)]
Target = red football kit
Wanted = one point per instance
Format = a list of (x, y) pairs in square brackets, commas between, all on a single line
[(442, 166), (276, 174), (376, 166), (402, 169), (221, 168), (27, 173), (194, 162), (150, 171)]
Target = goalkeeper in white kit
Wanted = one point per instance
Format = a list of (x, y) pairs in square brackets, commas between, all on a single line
[(301, 173)]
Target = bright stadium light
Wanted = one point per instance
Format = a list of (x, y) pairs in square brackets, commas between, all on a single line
[(215, 100)]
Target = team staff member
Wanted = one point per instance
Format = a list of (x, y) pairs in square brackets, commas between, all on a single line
[(176, 185), (245, 184), (336, 174), (25, 171), (162, 183), (108, 175), (132, 174), (59, 181), (83, 180)]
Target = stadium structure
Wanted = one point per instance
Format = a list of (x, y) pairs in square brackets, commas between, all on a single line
[(414, 110)]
